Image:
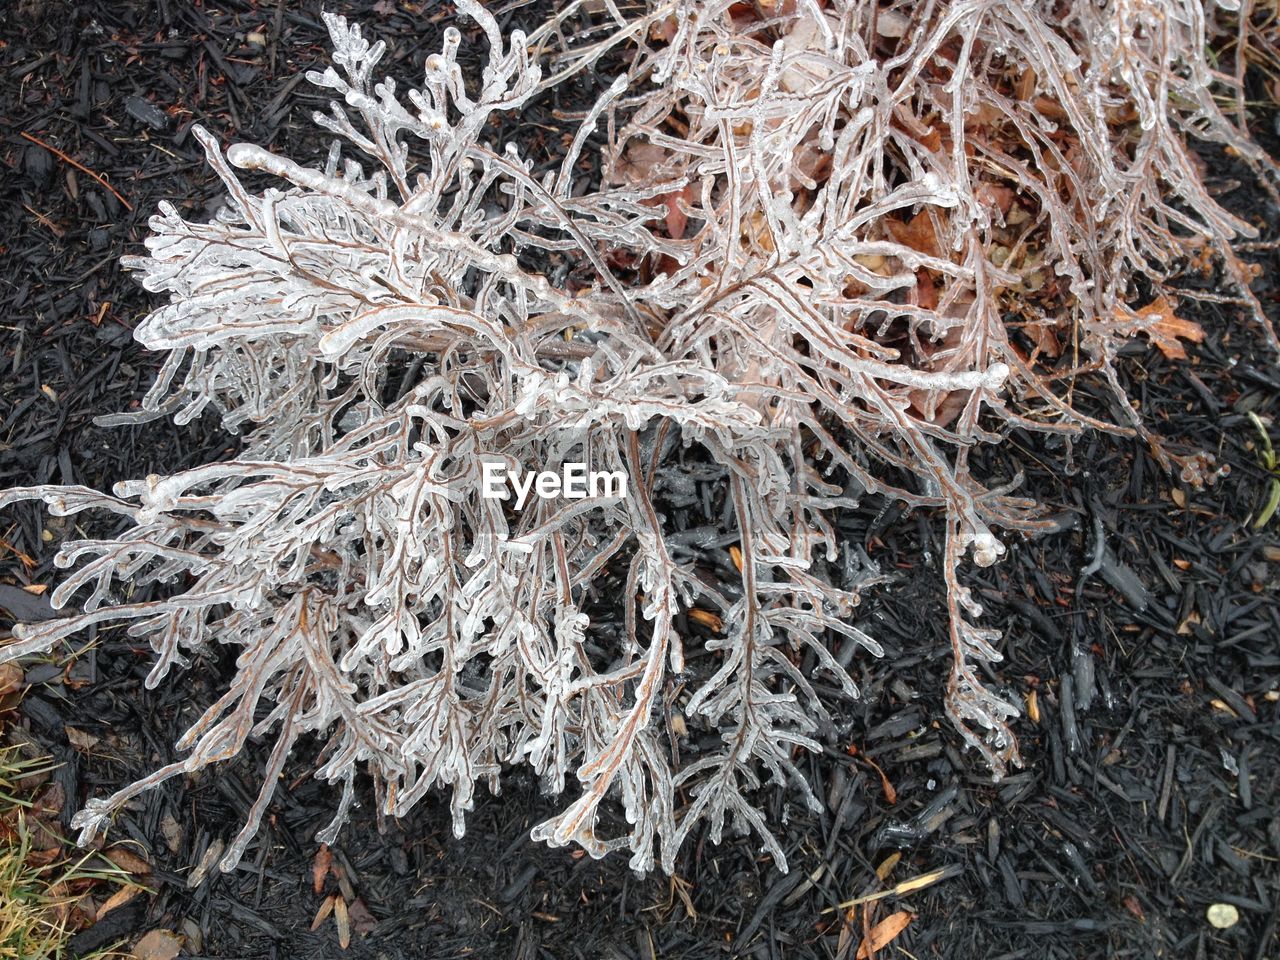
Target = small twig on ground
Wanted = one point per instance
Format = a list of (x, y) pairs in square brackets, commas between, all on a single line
[(79, 166)]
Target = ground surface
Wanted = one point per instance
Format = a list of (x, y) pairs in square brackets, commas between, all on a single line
[(1150, 789)]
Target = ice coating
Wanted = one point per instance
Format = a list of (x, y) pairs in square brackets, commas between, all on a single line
[(793, 291)]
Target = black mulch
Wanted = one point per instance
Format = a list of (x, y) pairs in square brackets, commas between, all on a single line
[(1150, 785)]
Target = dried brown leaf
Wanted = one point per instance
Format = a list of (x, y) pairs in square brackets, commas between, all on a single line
[(127, 860), (10, 678), (884, 933), (1168, 327), (158, 945), (322, 914), (363, 921), (82, 741), (706, 619), (320, 867), (918, 233), (343, 919)]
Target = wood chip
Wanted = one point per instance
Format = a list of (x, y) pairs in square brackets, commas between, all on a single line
[(118, 899)]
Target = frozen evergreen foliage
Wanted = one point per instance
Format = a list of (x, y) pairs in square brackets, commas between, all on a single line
[(836, 246)]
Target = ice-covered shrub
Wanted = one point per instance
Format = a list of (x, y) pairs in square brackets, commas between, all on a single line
[(922, 221), (835, 246)]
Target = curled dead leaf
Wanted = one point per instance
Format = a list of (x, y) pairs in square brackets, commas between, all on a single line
[(890, 794), (706, 619)]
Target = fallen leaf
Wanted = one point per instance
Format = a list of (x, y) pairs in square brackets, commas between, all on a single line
[(640, 161), (735, 554), (926, 292), (81, 740), (994, 195), (343, 919), (918, 233), (757, 233), (362, 921), (664, 30), (127, 860), (884, 932), (887, 865), (42, 858), (49, 804), (320, 867), (940, 410), (10, 678), (679, 726), (158, 945), (322, 914), (1045, 339), (810, 166), (891, 24), (890, 794), (707, 619), (677, 219), (1165, 327), (804, 73), (62, 903)]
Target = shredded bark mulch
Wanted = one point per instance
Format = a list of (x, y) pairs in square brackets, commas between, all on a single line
[(1141, 637)]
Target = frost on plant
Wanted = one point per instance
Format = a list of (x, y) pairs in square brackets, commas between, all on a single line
[(857, 241)]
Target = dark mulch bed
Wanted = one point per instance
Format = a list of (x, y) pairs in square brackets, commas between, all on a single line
[(1150, 785)]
